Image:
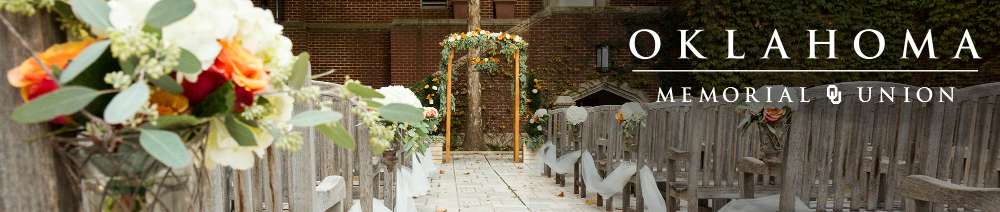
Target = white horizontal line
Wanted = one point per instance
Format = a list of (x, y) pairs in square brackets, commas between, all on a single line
[(808, 70)]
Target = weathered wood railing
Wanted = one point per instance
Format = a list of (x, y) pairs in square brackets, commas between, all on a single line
[(848, 156), (289, 180)]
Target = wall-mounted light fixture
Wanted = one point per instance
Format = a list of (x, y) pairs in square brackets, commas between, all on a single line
[(603, 58)]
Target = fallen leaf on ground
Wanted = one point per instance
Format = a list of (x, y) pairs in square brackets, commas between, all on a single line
[(441, 171), (590, 202), (562, 194), (441, 210)]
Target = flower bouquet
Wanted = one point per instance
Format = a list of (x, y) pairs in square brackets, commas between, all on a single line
[(630, 116), (770, 120), (145, 89)]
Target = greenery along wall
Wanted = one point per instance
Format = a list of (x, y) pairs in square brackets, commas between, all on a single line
[(756, 20)]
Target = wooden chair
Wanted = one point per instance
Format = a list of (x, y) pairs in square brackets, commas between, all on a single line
[(713, 149)]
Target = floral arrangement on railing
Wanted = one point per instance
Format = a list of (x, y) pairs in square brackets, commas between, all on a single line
[(771, 119), (493, 46), (413, 134), (536, 128), (630, 116), (148, 88)]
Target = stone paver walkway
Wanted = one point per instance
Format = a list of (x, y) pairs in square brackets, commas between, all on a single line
[(483, 182)]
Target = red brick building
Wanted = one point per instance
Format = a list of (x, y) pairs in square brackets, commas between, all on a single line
[(395, 42)]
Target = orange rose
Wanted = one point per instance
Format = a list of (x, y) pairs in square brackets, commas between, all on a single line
[(772, 115), (243, 68), (168, 103), (619, 117), (32, 78)]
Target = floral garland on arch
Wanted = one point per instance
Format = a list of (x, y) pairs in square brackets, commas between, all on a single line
[(151, 90), (493, 46)]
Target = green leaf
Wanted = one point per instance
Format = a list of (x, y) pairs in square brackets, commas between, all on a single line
[(219, 101), (168, 84), (127, 103), (189, 63), (166, 147), (363, 91), (240, 131), (92, 12), (166, 12), (84, 60), (300, 71), (337, 134), (65, 101), (401, 113), (63, 8), (178, 121), (314, 117), (372, 103), (128, 65)]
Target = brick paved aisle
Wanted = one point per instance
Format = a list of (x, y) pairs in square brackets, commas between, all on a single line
[(483, 182)]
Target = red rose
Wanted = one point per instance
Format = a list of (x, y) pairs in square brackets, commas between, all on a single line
[(207, 82)]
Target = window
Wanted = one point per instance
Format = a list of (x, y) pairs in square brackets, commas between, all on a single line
[(433, 3)]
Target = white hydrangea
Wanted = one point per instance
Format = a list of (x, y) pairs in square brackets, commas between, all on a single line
[(576, 115), (632, 111), (398, 94), (198, 33)]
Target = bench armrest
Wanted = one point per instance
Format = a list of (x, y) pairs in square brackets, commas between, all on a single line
[(677, 154), (928, 189)]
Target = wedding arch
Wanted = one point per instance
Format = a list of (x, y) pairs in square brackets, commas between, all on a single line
[(493, 46)]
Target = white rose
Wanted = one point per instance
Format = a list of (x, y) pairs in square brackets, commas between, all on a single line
[(398, 94), (198, 33), (576, 115), (260, 34), (222, 149)]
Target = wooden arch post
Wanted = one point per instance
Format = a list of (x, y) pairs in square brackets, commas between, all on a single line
[(447, 112), (517, 106), (517, 109)]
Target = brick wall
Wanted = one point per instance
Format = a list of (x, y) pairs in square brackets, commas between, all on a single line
[(358, 38)]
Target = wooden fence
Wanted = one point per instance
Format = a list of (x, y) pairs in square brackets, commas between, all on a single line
[(284, 180), (851, 155)]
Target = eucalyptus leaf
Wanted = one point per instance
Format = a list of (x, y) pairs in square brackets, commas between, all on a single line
[(337, 134), (300, 71), (188, 63), (372, 103), (166, 147), (363, 91), (314, 117), (166, 12), (168, 84), (64, 101), (127, 103), (84, 60), (401, 113), (93, 12), (240, 131)]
